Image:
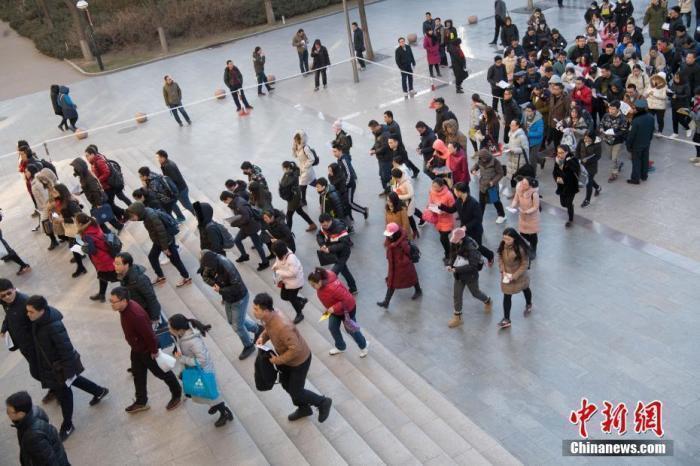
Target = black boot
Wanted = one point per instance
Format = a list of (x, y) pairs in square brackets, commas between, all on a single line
[(387, 298), (225, 415), (418, 293)]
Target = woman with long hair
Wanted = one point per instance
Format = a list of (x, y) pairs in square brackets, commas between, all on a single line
[(68, 208), (341, 306), (431, 44), (395, 211), (191, 351), (95, 246), (478, 108), (527, 201), (489, 127), (513, 263), (566, 173)]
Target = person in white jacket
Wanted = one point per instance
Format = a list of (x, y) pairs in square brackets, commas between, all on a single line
[(191, 351), (517, 151), (305, 161), (657, 98), (42, 183), (289, 276)]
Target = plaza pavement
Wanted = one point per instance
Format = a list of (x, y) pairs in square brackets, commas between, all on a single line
[(614, 297)]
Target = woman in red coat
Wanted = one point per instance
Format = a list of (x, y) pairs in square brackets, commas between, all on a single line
[(402, 272), (431, 44), (340, 304), (96, 248)]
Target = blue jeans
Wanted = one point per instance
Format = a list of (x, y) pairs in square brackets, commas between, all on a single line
[(334, 323), (304, 61), (184, 198), (257, 244), (385, 174), (237, 315)]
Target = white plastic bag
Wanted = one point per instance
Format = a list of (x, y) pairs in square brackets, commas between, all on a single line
[(165, 361), (8, 341)]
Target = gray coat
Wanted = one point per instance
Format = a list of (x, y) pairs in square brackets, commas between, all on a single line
[(193, 349)]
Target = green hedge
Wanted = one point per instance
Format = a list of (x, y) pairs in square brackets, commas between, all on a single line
[(120, 24)]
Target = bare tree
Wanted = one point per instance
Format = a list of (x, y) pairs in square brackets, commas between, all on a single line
[(78, 26), (45, 12), (365, 29), (156, 9), (269, 12), (530, 4)]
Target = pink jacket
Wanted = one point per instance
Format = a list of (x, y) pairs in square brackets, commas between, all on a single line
[(529, 203), (445, 220), (432, 48)]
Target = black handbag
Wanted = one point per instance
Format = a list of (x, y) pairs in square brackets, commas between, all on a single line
[(265, 372), (326, 258)]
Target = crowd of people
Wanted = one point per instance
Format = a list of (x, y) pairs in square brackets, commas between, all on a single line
[(548, 100)]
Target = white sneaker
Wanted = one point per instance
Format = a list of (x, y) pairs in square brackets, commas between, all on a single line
[(689, 133), (673, 135), (694, 159), (501, 220), (334, 351), (364, 352), (164, 259), (697, 164), (657, 134)]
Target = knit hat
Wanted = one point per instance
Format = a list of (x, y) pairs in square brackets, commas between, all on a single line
[(391, 228), (457, 235)]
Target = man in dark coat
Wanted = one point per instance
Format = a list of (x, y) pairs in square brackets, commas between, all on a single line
[(39, 443), (335, 248), (495, 74), (425, 147), (209, 235), (171, 170), (172, 94), (58, 362), (134, 278), (470, 216), (405, 61), (163, 240), (639, 140), (221, 274), (139, 334), (248, 224), (442, 114), (163, 189), (234, 81), (17, 324), (329, 200), (358, 43), (380, 150), (511, 111), (321, 62)]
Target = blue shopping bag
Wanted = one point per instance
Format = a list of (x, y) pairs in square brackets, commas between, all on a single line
[(493, 194), (198, 383)]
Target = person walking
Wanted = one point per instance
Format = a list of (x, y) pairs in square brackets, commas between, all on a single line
[(234, 81), (459, 64), (173, 100), (142, 341), (42, 181), (291, 192), (288, 275), (321, 63), (490, 173), (341, 306), (39, 442), (613, 129), (93, 192), (26, 157), (275, 229), (300, 43), (53, 95), (638, 142), (68, 109), (221, 274), (588, 153), (335, 247), (191, 351), (405, 61), (292, 358), (259, 67), (470, 217), (161, 230), (305, 160), (440, 195), (566, 175), (67, 208), (465, 264), (527, 201), (431, 44), (500, 15), (513, 264), (19, 327), (164, 190), (58, 363), (495, 76), (97, 249), (358, 44), (248, 223), (211, 236), (133, 277), (396, 212), (11, 255), (342, 155), (657, 98), (103, 171), (171, 170), (401, 272), (380, 150)]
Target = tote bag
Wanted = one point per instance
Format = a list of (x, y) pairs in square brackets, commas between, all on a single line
[(198, 383)]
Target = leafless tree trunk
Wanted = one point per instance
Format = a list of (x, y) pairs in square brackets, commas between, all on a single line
[(78, 26), (530, 4), (45, 12), (365, 29), (269, 12)]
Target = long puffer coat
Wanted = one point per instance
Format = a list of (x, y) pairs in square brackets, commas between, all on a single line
[(53, 346), (402, 271)]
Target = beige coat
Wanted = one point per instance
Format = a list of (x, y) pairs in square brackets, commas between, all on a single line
[(508, 263), (528, 202)]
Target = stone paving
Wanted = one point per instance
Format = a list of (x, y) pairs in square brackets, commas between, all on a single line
[(614, 296)]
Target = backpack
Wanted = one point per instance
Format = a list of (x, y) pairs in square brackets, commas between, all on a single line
[(49, 165), (163, 190), (414, 252), (480, 262), (286, 192), (255, 213), (169, 222), (116, 179), (349, 140), (114, 244), (316, 159), (226, 238)]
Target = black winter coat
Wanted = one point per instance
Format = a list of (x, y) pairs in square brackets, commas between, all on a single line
[(17, 323), (589, 156), (170, 169), (511, 111), (469, 214), (233, 78), (494, 75), (39, 443), (569, 173), (90, 185), (641, 131), (279, 230), (54, 348), (358, 40), (331, 202), (320, 58), (156, 229), (243, 218), (217, 269), (141, 290), (404, 58), (209, 235), (381, 146), (336, 239), (289, 190), (508, 34), (442, 115), (469, 250), (426, 144)]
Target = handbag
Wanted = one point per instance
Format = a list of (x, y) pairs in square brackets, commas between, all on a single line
[(326, 258), (165, 361), (265, 372), (47, 227), (199, 383), (102, 214), (163, 334), (493, 196), (350, 325)]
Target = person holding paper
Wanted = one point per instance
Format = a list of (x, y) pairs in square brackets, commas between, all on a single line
[(496, 76), (139, 334), (59, 365), (588, 153), (613, 129), (513, 263)]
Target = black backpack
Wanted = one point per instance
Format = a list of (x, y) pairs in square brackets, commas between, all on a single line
[(316, 159), (46, 164), (265, 371), (349, 140), (414, 252), (169, 222), (116, 179), (226, 238), (114, 244)]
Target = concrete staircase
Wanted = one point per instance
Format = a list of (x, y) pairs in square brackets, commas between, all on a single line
[(383, 412)]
